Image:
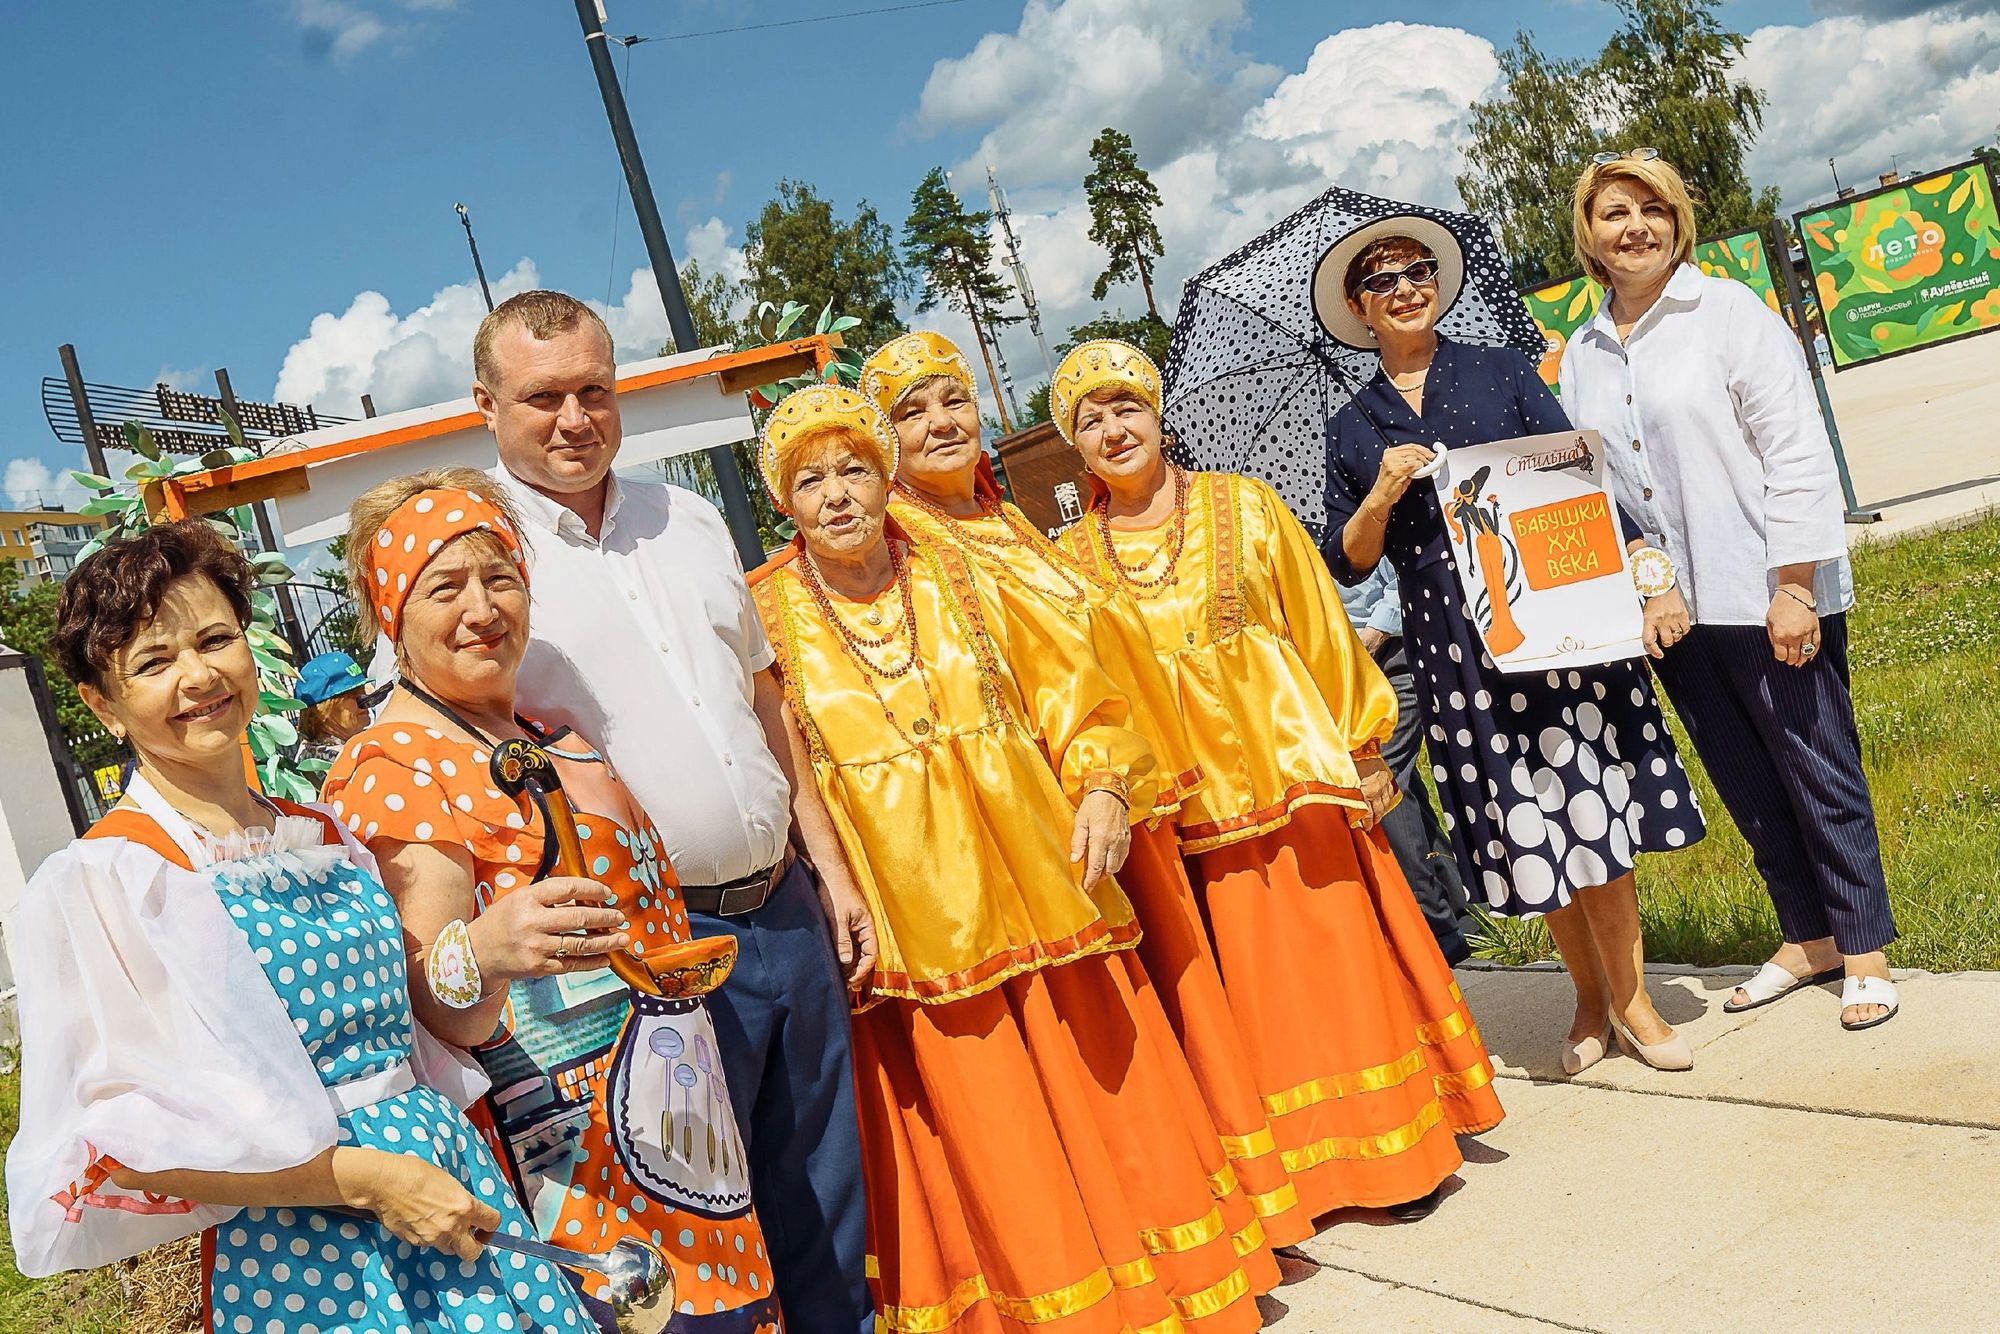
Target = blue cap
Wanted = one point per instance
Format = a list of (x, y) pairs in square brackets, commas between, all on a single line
[(328, 675)]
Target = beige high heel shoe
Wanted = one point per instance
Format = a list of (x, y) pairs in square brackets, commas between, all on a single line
[(1673, 1054), (1580, 1055)]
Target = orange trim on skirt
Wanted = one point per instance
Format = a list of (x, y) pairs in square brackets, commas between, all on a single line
[(1363, 1049), (1038, 1161)]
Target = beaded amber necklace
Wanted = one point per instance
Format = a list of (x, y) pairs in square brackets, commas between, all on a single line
[(854, 645), (1134, 576), (1074, 591)]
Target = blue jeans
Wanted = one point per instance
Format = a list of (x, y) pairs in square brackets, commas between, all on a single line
[(781, 1021)]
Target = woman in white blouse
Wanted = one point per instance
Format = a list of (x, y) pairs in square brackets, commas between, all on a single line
[(1717, 450)]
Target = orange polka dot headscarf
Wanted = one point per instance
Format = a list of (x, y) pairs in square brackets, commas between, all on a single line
[(419, 529)]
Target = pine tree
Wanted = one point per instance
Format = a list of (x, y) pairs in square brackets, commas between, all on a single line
[(1123, 200), (950, 248)]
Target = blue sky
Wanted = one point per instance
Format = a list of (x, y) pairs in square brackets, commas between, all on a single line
[(192, 185)]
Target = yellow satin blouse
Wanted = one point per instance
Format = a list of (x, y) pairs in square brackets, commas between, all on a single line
[(1024, 564), (954, 785), (1277, 691)]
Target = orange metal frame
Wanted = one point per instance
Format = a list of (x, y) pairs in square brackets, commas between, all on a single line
[(286, 474)]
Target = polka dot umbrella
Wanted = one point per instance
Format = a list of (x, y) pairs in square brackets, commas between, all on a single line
[(1252, 374)]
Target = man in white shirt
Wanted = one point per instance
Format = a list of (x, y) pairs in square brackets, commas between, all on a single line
[(645, 639)]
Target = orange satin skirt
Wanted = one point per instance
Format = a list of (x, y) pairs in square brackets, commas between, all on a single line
[(1181, 964), (1366, 1056), (1039, 1161)]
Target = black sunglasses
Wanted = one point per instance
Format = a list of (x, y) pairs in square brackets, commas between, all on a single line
[(1421, 273)]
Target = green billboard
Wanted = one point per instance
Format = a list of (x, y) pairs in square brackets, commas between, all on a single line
[(1566, 305), (1906, 266)]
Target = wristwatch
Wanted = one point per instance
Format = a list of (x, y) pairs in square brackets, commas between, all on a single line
[(1652, 572)]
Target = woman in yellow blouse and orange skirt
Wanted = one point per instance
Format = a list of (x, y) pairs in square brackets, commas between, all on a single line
[(1036, 1152), (945, 495), (1368, 1060)]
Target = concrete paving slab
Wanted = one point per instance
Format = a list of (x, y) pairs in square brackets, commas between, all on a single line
[(1918, 431), (1331, 1300), (1927, 1064), (1524, 1015), (1603, 1208), (1935, 1061)]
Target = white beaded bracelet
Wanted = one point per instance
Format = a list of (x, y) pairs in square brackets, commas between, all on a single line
[(452, 970)]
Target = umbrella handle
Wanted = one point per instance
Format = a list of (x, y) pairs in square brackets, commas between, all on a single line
[(562, 823)]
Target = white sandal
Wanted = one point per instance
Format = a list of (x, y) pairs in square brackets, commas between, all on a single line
[(1774, 982), (1868, 991)]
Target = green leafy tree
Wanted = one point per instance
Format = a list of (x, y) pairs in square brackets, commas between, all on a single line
[(1123, 200), (1149, 333), (27, 624), (950, 248), (1529, 144), (798, 251), (1672, 65), (1665, 80)]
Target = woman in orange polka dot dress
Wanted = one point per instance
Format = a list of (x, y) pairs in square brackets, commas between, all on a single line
[(608, 1106)]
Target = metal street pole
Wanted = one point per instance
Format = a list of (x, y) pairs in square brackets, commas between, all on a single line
[(1836, 175), (93, 450), (477, 267), (728, 478)]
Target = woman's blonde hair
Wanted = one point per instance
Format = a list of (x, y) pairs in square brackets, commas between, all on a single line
[(372, 508), (1657, 175)]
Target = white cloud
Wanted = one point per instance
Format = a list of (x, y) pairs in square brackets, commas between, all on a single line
[(1162, 70), (1383, 108), (708, 245), (423, 357), (336, 28), (192, 379), (31, 484), (1923, 89)]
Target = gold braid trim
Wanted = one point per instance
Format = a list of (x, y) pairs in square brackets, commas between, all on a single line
[(1212, 1300), (1253, 1145), (1272, 1203), (1465, 1081), (1184, 1236), (1375, 1078), (1354, 1148), (1453, 1025)]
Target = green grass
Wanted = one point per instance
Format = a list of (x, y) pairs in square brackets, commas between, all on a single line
[(87, 1303), (1924, 645)]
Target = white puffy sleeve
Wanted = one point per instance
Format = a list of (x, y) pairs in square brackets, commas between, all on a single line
[(150, 1039)]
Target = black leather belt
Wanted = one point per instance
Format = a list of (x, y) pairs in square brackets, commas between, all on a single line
[(736, 897)]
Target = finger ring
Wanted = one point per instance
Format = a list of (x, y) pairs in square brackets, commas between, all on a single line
[(1808, 649), (562, 950)]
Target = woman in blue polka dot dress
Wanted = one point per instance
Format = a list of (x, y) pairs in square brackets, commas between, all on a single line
[(216, 1026), (1551, 784)]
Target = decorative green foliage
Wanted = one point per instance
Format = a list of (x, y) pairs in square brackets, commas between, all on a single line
[(800, 253), (1122, 200), (271, 734)]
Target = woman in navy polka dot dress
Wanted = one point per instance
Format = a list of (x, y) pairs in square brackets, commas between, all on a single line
[(1551, 784), (215, 1018)]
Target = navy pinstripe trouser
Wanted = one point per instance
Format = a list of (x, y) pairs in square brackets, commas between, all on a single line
[(1780, 746)]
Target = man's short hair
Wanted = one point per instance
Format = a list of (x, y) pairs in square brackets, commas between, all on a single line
[(543, 314)]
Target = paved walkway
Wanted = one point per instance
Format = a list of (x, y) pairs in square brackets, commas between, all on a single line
[(1922, 433), (1798, 1178)]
